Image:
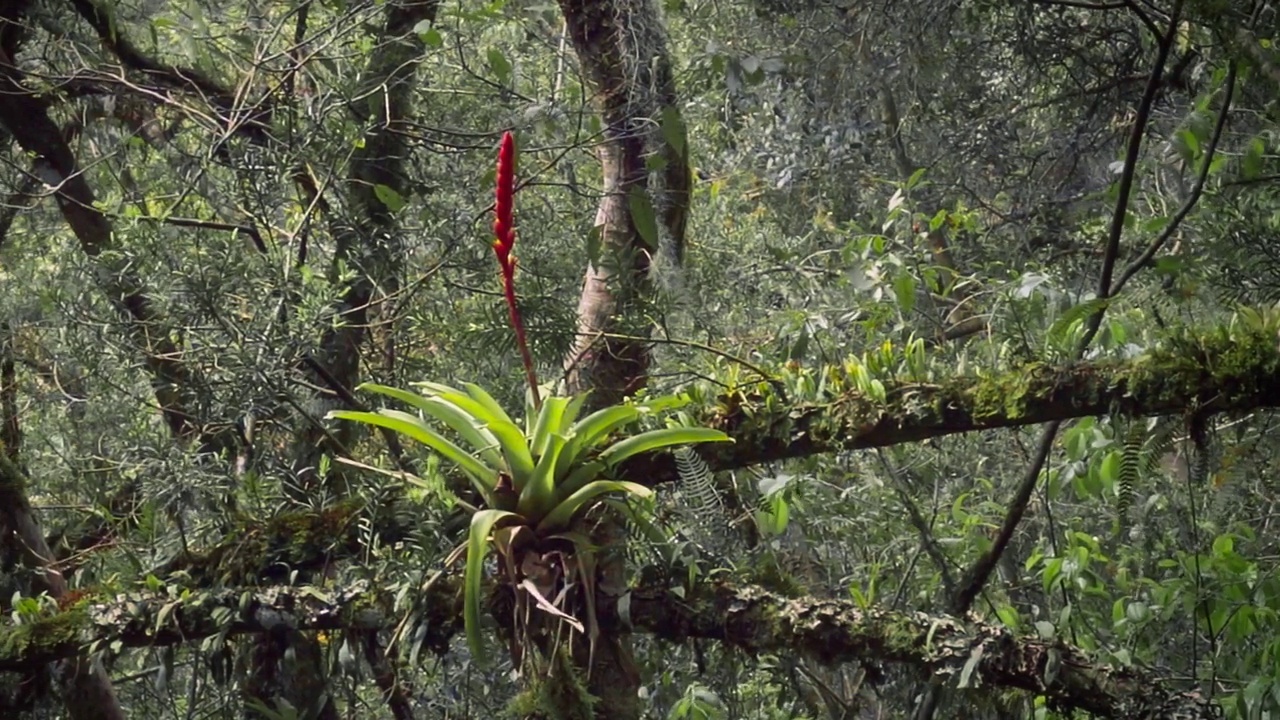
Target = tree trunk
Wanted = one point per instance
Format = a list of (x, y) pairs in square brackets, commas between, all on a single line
[(621, 46)]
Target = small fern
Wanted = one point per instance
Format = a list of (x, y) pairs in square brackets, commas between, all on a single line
[(702, 502), (1131, 463), (1159, 443)]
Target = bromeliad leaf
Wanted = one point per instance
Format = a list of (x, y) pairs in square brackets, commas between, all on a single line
[(581, 475), (482, 476), (548, 424), (468, 426), (559, 517), (510, 438), (482, 524), (539, 495), (588, 431), (656, 439)]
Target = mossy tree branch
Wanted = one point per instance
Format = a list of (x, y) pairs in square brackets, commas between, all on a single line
[(969, 654), (973, 654), (1217, 372)]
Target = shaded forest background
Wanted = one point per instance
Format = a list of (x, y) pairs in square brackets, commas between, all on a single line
[(984, 292)]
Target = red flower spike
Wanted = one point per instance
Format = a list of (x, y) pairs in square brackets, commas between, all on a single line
[(504, 242)]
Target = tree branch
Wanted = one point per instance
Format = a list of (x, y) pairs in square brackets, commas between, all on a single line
[(971, 654), (749, 618), (1217, 371)]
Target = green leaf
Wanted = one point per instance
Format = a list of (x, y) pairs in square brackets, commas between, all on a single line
[(579, 476), (571, 413), (429, 35), (904, 290), (584, 434), (478, 394), (1251, 165), (515, 447), (1109, 470), (594, 236), (483, 476), (1058, 331), (482, 524), (499, 64), (547, 426), (388, 197), (655, 439), (673, 129), (538, 495), (560, 516), (1187, 144), (471, 428), (642, 216)]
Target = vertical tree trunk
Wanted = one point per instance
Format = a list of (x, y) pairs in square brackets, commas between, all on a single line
[(621, 46)]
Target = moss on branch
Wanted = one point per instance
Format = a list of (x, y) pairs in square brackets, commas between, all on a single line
[(1235, 368), (969, 654), (173, 615)]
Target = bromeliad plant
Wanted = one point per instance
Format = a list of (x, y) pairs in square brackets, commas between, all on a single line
[(537, 481)]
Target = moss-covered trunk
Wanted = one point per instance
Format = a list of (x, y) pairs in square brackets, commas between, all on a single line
[(621, 46)]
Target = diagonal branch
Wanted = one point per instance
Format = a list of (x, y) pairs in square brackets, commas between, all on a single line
[(1217, 371), (252, 121), (968, 654), (27, 118)]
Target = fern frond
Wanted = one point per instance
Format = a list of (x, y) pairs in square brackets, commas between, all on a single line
[(1158, 444), (1131, 462), (703, 506), (1058, 332)]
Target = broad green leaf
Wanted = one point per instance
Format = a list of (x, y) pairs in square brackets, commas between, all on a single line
[(388, 196), (499, 64), (673, 129), (515, 448), (655, 439), (483, 476), (904, 290), (560, 516), (570, 415), (579, 476), (1109, 469), (584, 434), (538, 495), (547, 426), (468, 426), (482, 524), (479, 395)]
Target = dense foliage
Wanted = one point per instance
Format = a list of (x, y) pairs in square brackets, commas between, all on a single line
[(982, 292)]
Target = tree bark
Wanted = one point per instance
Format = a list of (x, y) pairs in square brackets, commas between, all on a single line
[(965, 652), (621, 48)]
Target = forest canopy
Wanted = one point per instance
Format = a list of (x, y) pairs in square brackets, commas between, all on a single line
[(623, 359)]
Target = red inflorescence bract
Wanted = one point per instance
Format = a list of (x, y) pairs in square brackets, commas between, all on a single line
[(504, 242)]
